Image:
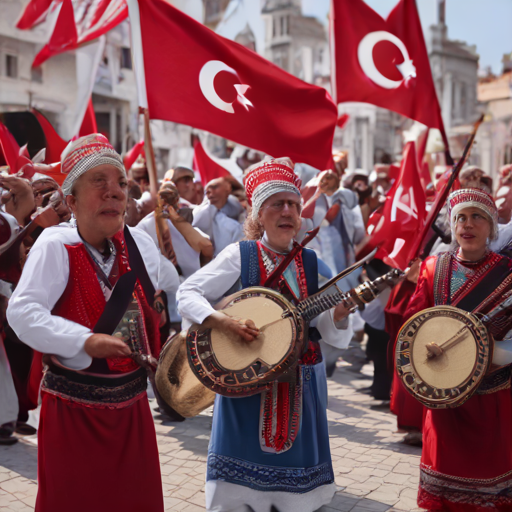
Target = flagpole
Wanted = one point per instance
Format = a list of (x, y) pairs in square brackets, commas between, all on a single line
[(443, 194)]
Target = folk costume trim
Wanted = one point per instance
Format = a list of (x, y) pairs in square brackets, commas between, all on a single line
[(437, 488), (447, 265), (96, 396), (268, 478)]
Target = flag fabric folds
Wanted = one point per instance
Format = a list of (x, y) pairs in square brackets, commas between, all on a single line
[(383, 62), (188, 74), (78, 22), (396, 226), (207, 168)]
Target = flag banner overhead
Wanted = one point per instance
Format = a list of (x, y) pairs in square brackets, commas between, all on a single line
[(80, 22), (396, 226), (383, 62), (195, 77)]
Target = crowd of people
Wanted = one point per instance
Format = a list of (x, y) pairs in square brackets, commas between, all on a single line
[(77, 258)]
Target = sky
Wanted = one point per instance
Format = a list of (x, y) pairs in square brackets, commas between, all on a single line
[(484, 23)]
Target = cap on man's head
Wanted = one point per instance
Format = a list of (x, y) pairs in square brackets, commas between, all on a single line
[(268, 178), (179, 172), (86, 153)]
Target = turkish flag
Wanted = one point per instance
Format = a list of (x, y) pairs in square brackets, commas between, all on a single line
[(198, 78), (396, 226), (80, 22), (384, 62)]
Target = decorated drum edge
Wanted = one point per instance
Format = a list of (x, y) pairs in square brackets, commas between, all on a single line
[(435, 398), (244, 382)]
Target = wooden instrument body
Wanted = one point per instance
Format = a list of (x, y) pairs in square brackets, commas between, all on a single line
[(235, 368), (175, 381), (450, 379)]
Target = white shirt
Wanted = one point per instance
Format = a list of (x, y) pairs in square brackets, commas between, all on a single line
[(186, 256), (43, 281), (209, 284), (222, 230)]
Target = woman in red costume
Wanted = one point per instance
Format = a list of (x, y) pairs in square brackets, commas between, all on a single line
[(466, 464)]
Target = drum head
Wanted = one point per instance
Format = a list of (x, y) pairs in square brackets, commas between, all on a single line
[(450, 377), (233, 367), (176, 382), (270, 347)]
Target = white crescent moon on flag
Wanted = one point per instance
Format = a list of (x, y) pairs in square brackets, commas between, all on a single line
[(206, 77), (365, 56)]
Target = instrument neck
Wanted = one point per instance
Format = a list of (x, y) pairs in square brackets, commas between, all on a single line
[(316, 304)]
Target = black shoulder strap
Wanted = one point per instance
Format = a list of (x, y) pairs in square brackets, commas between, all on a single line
[(137, 265), (486, 286)]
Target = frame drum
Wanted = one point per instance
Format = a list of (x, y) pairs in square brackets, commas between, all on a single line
[(177, 384), (233, 367), (442, 355)]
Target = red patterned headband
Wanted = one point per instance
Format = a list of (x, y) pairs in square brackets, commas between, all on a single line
[(268, 179), (84, 154)]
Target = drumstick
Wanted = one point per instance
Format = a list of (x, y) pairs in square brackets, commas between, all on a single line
[(434, 349), (271, 323)]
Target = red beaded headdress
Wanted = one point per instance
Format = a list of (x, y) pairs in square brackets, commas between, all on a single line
[(473, 198), (84, 154), (267, 179)]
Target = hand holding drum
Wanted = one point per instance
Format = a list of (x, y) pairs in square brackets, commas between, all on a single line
[(246, 329)]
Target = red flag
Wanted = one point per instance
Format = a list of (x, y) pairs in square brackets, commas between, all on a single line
[(215, 84), (64, 35), (384, 62), (396, 226), (205, 166), (55, 145), (34, 13), (81, 23), (89, 123), (131, 156), (10, 148)]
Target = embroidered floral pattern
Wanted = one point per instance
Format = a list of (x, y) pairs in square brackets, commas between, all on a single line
[(268, 478)]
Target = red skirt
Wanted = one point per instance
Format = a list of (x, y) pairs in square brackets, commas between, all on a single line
[(97, 460), (466, 464), (409, 412)]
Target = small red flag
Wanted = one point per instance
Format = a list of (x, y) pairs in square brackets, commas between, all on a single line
[(215, 84), (384, 62), (208, 168), (55, 144), (89, 123), (395, 227), (131, 156)]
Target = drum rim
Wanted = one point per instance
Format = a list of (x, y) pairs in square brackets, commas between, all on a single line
[(253, 386), (469, 386)]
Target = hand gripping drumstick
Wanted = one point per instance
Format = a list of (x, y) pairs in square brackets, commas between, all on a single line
[(434, 350)]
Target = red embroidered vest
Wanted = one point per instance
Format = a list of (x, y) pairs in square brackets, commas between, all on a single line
[(83, 300)]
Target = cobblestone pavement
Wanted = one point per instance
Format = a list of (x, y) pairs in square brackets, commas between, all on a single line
[(374, 471)]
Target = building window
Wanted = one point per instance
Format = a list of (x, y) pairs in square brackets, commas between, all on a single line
[(11, 66), (283, 25), (274, 27), (463, 100), (36, 75), (126, 58)]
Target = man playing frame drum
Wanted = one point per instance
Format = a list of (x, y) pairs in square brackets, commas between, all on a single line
[(466, 463), (254, 458)]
